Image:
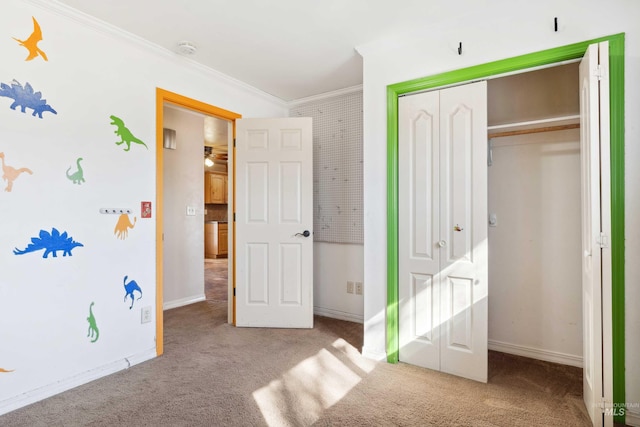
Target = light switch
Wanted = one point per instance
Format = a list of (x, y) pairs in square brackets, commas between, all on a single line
[(191, 210)]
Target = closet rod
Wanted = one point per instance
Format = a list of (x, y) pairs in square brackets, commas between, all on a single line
[(535, 130)]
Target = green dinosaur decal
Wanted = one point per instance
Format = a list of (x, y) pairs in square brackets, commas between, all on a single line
[(126, 137), (93, 327), (78, 176)]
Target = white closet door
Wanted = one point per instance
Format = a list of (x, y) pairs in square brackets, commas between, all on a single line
[(596, 261), (464, 267), (443, 230), (419, 232)]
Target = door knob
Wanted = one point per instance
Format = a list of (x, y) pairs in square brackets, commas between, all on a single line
[(442, 243), (305, 233)]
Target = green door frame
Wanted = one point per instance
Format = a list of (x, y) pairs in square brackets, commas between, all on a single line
[(536, 59)]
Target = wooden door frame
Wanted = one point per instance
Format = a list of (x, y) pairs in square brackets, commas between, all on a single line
[(523, 62), (165, 97)]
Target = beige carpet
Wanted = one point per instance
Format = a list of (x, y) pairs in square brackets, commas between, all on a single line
[(213, 374)]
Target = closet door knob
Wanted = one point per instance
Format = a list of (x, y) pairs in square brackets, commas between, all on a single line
[(442, 243)]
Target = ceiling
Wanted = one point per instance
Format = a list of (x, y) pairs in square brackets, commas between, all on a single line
[(291, 49)]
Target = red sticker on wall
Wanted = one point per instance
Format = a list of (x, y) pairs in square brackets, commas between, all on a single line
[(145, 210)]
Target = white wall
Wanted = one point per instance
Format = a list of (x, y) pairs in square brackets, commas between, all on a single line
[(502, 29), (183, 248), (333, 266), (535, 274), (92, 72)]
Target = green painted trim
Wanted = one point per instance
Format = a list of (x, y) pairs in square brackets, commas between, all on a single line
[(550, 56), (393, 344), (616, 100)]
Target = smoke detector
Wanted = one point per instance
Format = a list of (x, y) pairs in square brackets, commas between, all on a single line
[(186, 48)]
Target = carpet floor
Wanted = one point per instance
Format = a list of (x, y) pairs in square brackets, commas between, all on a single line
[(213, 374)]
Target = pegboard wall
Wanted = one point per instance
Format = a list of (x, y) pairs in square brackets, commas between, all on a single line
[(337, 167)]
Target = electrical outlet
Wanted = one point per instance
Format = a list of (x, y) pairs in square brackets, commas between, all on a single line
[(146, 314), (349, 287), (191, 210), (358, 288)]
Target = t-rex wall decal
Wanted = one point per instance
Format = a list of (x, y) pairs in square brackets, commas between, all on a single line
[(78, 176), (32, 42), (51, 243), (126, 137), (129, 289), (122, 227), (25, 97), (93, 326), (10, 174)]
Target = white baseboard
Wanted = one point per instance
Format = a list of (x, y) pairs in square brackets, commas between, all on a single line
[(336, 314), (632, 418), (374, 355), (182, 302), (536, 353), (44, 392)]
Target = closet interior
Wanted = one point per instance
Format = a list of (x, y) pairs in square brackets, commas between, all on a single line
[(535, 282)]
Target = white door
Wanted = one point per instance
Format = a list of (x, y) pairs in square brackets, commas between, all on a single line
[(596, 261), (274, 223), (443, 263)]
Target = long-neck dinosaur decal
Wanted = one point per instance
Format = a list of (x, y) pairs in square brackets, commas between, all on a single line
[(93, 326), (126, 137), (122, 227), (31, 44), (51, 243), (10, 174), (25, 97), (78, 176), (129, 289)]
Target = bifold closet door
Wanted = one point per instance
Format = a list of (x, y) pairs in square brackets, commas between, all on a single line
[(443, 263)]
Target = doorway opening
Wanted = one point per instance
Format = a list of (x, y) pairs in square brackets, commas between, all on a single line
[(165, 98)]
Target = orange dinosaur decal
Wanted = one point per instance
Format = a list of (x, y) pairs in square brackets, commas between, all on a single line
[(10, 174), (122, 227), (32, 42), (5, 371)]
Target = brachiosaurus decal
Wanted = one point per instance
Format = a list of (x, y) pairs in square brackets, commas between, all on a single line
[(122, 227), (32, 42), (78, 176), (93, 327), (10, 174)]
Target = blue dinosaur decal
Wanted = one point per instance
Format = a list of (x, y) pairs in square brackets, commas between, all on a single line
[(129, 289), (25, 97), (51, 243)]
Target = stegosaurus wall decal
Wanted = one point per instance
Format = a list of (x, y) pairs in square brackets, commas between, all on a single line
[(50, 243), (25, 97)]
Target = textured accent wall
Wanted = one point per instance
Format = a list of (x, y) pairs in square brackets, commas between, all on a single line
[(337, 167)]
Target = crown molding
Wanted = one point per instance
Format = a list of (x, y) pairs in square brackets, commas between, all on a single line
[(324, 96), (100, 26)]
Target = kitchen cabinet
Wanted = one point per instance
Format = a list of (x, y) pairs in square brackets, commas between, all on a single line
[(215, 188), (216, 239)]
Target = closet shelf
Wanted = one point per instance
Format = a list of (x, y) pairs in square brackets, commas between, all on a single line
[(534, 126)]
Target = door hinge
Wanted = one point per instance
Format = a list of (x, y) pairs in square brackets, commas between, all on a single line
[(599, 72), (234, 143), (603, 240), (234, 292), (234, 217)]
